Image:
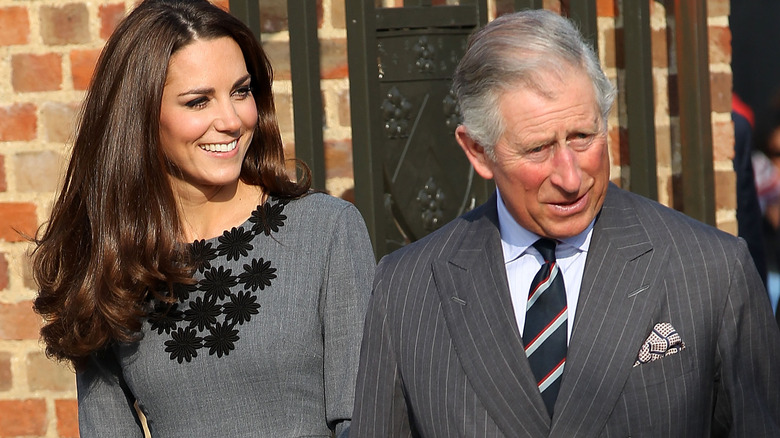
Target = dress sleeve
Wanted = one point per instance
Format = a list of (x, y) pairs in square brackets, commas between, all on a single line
[(747, 401), (106, 405), (347, 288)]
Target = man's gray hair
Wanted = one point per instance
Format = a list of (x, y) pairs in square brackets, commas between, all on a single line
[(521, 49)]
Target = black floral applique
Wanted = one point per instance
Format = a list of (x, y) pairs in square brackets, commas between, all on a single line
[(182, 292), (268, 218), (184, 344), (165, 319), (221, 340), (202, 254), (235, 243), (257, 274), (218, 281), (208, 313), (240, 308), (203, 313)]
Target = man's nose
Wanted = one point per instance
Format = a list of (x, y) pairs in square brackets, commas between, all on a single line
[(566, 173)]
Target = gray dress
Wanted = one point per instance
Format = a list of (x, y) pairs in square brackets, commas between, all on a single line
[(265, 344)]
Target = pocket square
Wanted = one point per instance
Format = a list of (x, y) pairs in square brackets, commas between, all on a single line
[(663, 341)]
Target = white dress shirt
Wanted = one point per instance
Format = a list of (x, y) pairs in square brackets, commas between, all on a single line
[(522, 261)]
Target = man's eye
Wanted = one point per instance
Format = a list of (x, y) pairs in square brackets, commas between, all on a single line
[(580, 140)]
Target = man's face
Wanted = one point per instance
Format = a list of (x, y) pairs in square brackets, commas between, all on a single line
[(551, 163)]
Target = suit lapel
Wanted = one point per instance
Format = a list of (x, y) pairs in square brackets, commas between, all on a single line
[(613, 318), (475, 299)]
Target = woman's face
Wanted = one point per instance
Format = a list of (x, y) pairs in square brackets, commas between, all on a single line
[(207, 116)]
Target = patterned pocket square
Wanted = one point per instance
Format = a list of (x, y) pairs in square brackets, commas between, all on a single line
[(663, 341)]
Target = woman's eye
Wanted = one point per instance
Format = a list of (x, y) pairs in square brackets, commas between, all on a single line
[(243, 92), (199, 102)]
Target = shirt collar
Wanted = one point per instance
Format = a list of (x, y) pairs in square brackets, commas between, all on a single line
[(515, 239)]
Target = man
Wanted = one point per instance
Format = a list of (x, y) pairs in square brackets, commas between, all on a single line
[(640, 320)]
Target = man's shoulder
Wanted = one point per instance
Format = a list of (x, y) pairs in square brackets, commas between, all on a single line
[(660, 219), (446, 240)]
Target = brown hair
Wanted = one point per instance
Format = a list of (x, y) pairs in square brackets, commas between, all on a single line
[(113, 236)]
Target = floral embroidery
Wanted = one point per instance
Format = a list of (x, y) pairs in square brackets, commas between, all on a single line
[(209, 313), (235, 243), (270, 219), (182, 291), (203, 313), (218, 282), (164, 319), (258, 274), (184, 344), (202, 254), (221, 340), (240, 308)]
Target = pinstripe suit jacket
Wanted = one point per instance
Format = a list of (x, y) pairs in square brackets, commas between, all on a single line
[(442, 355)]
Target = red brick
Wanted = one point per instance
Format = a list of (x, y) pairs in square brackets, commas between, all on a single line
[(23, 417), (345, 117), (58, 121), (338, 16), (44, 374), (110, 16), (284, 117), (719, 8), (3, 272), (82, 64), (725, 190), (334, 59), (659, 48), (18, 321), (14, 26), (723, 141), (67, 418), (36, 72), (38, 171), (16, 218), (607, 8), (6, 375), (18, 122), (614, 55), (224, 4), (273, 16), (3, 185), (338, 158), (68, 24), (278, 53), (720, 44), (720, 92)]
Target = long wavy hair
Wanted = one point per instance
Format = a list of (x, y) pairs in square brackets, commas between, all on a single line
[(114, 236)]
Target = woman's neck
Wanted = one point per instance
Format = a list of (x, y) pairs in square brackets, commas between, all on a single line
[(207, 215)]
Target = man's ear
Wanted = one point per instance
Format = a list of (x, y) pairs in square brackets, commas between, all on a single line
[(474, 152)]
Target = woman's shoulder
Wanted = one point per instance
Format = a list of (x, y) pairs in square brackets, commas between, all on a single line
[(319, 205)]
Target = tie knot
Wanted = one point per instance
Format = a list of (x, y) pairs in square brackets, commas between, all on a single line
[(546, 248)]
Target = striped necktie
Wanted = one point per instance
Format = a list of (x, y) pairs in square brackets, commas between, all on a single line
[(544, 335)]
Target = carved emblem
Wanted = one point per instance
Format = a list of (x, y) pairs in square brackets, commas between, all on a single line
[(397, 112), (425, 55), (452, 117), (431, 199)]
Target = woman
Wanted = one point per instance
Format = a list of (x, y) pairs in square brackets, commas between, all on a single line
[(253, 329)]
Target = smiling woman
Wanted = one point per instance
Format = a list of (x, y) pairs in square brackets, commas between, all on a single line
[(170, 271)]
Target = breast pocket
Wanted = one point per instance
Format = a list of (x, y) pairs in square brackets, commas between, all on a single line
[(660, 370), (664, 397)]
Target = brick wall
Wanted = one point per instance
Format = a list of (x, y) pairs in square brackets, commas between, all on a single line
[(48, 49)]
